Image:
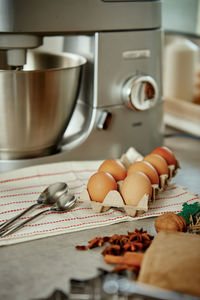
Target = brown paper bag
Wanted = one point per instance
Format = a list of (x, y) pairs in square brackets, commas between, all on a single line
[(172, 262)]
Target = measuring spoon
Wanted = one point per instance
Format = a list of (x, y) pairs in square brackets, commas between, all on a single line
[(47, 197)]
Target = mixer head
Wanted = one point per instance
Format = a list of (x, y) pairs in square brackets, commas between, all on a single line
[(16, 46)]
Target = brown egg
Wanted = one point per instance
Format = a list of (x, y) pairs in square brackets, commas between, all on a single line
[(146, 168), (99, 185), (134, 187), (166, 153), (115, 168), (158, 162)]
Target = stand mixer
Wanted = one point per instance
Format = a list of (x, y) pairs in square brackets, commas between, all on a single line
[(117, 102)]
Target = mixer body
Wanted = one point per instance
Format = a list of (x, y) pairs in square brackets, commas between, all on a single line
[(119, 103), (114, 125)]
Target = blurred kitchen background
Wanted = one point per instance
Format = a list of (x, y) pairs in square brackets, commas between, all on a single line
[(181, 65)]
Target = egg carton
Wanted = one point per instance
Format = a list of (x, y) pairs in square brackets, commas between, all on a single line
[(114, 199), (132, 156)]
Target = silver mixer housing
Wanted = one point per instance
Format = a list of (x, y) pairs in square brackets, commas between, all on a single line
[(120, 100)]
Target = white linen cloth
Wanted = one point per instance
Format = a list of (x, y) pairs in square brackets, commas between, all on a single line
[(21, 188)]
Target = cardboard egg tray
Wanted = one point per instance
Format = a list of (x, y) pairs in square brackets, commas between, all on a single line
[(114, 198), (132, 156)]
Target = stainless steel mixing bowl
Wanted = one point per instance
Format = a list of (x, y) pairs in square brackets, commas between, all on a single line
[(36, 103)]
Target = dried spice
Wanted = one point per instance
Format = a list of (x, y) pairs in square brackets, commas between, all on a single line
[(81, 247), (97, 242), (114, 249), (194, 226), (122, 267), (124, 250), (138, 240), (129, 258)]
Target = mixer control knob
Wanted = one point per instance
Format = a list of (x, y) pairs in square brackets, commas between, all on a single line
[(140, 92)]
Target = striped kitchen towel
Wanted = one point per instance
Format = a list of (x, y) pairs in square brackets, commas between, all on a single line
[(21, 188)]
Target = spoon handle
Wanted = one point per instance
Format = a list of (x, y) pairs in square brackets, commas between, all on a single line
[(13, 219), (15, 228)]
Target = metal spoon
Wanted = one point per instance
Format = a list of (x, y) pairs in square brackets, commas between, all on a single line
[(47, 197), (63, 203)]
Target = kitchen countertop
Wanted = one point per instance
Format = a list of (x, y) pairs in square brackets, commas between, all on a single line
[(34, 269)]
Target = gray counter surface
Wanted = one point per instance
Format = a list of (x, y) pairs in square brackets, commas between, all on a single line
[(34, 269)]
